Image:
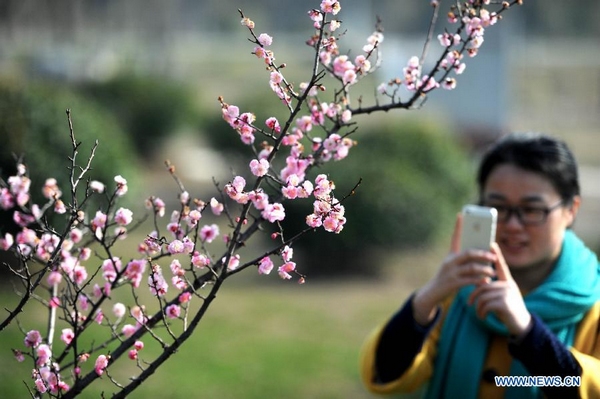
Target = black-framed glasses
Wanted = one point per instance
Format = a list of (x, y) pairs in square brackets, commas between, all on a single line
[(527, 215)]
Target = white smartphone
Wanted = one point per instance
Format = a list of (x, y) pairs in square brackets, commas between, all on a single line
[(478, 227)]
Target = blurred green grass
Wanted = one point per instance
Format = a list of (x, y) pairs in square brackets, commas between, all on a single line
[(259, 339)]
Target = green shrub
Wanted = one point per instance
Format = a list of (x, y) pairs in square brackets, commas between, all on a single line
[(148, 107), (34, 125)]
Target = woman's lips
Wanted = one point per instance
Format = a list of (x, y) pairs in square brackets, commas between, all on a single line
[(513, 244)]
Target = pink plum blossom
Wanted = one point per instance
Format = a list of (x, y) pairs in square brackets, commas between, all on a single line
[(176, 247), (346, 115), (67, 335), (265, 265), (75, 235), (43, 353), (54, 278), (97, 186), (119, 310), (259, 199), (83, 302), (98, 224), (276, 78), (184, 197), (110, 269), (316, 16), (97, 291), (234, 262), (19, 187), (330, 6), (260, 52), (101, 364), (304, 123), (137, 312), (215, 206), (173, 311), (323, 187), (247, 22), (290, 192), (19, 357), (259, 167), (121, 186), (209, 232), (32, 339), (375, 39), (79, 275), (99, 316), (285, 269), (7, 200), (235, 190), (176, 268), (193, 217), (334, 25), (59, 207), (156, 204), (123, 216), (188, 245), (273, 124), (286, 253), (273, 212), (128, 330), (23, 219), (54, 302), (156, 282), (135, 270), (265, 40), (185, 297), (200, 260), (449, 83), (40, 385), (50, 189), (150, 245), (349, 77), (230, 114), (363, 65), (6, 242)]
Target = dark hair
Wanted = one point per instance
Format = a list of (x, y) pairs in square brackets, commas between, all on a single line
[(537, 153)]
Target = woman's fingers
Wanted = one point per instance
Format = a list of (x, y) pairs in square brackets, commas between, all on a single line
[(489, 298), (504, 299), (502, 269), (455, 243)]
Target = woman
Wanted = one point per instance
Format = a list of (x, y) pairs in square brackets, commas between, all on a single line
[(530, 306)]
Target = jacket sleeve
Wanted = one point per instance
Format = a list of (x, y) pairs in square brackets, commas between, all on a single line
[(398, 356), (543, 354), (586, 351)]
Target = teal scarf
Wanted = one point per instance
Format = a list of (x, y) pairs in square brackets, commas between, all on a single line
[(561, 301)]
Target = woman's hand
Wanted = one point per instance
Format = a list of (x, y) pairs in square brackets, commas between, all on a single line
[(502, 297), (457, 270)]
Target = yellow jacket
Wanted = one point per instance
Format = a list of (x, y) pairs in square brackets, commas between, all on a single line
[(586, 350)]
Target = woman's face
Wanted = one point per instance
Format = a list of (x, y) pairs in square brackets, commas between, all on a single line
[(528, 245)]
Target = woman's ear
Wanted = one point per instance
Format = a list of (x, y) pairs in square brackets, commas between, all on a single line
[(573, 209)]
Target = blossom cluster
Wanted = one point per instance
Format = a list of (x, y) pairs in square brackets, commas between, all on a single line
[(71, 255), (471, 20), (46, 375)]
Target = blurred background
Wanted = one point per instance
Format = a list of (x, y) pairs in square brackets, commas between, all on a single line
[(143, 78)]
